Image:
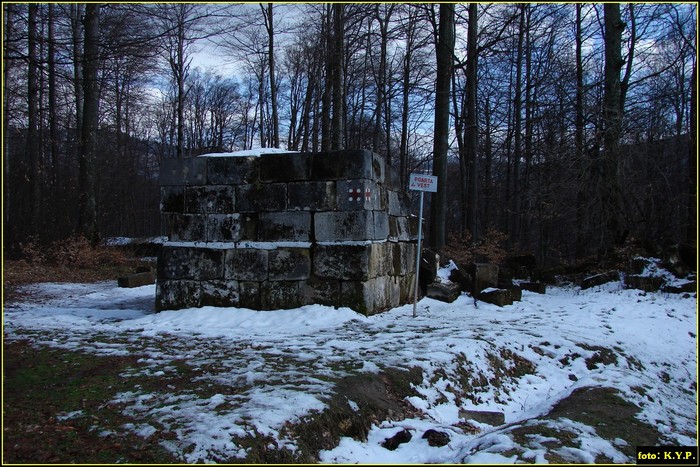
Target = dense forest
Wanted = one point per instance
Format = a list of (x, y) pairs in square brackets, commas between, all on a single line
[(566, 130)]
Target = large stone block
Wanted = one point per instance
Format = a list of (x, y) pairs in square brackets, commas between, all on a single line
[(321, 291), (371, 296), (288, 226), (600, 279), (185, 227), (358, 194), (210, 199), (444, 291), (403, 257), (399, 230), (399, 203), (285, 167), (223, 227), (232, 170), (343, 262), (289, 264), (249, 295), (500, 297), (312, 196), (347, 164), (177, 294), (189, 171), (137, 280), (249, 226), (484, 275), (281, 295), (223, 293), (262, 197), (172, 199), (190, 263), (344, 226), (381, 225), (245, 264)]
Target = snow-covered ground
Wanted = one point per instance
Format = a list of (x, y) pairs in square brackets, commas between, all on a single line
[(280, 365)]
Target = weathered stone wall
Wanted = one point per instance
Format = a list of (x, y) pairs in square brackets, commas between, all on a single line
[(285, 230)]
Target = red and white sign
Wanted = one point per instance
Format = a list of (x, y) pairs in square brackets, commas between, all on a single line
[(420, 182)]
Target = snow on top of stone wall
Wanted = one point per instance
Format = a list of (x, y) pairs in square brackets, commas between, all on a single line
[(249, 152)]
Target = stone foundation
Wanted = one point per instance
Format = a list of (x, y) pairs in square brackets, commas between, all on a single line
[(285, 230)]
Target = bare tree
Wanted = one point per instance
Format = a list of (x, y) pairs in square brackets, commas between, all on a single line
[(87, 221), (444, 51)]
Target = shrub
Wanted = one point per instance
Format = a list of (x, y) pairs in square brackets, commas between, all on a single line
[(489, 248)]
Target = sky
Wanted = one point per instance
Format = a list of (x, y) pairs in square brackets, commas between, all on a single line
[(279, 365)]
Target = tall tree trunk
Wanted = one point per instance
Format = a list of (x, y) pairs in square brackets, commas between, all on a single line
[(76, 11), (87, 222), (612, 229), (53, 116), (8, 197), (579, 161), (444, 52), (269, 25), (326, 101), (33, 144), (471, 133), (337, 124), (517, 150), (692, 230)]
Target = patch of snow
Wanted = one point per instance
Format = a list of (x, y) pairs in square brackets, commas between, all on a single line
[(256, 152), (272, 368)]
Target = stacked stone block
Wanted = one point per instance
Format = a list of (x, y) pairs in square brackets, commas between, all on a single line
[(283, 231)]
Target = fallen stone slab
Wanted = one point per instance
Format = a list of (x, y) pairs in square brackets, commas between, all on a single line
[(537, 287), (137, 280), (645, 283), (500, 297), (484, 416), (689, 287), (600, 279), (444, 291)]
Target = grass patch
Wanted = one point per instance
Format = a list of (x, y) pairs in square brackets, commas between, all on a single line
[(41, 385)]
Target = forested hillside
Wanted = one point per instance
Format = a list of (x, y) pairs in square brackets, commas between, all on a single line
[(566, 129)]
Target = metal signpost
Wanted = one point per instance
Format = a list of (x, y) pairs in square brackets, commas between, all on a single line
[(422, 183)]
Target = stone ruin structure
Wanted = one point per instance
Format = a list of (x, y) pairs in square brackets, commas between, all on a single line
[(285, 230)]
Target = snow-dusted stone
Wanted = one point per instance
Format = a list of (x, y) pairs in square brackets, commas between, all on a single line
[(689, 287), (285, 167), (500, 297), (444, 291), (645, 283), (232, 170), (600, 279)]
